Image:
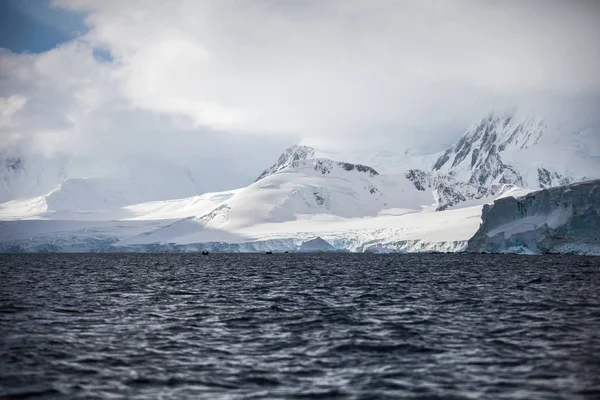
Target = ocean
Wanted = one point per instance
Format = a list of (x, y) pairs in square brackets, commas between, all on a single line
[(299, 326)]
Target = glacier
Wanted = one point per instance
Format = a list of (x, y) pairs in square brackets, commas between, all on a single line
[(563, 219)]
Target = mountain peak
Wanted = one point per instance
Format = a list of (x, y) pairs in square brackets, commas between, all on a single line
[(292, 154), (481, 146), (297, 156)]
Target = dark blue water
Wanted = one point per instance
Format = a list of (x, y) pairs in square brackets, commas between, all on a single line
[(299, 326)]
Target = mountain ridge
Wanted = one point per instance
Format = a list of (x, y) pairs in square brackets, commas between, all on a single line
[(491, 157), (419, 203)]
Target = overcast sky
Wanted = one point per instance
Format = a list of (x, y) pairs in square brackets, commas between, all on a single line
[(227, 85)]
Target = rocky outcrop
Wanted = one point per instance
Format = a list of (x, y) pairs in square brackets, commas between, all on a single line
[(325, 166), (548, 179), (564, 219), (448, 191)]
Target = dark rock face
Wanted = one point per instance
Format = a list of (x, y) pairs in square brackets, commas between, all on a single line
[(548, 179), (323, 167), (419, 178), (364, 168), (558, 219), (319, 199), (347, 166), (544, 177), (474, 157), (13, 163), (442, 160), (463, 148)]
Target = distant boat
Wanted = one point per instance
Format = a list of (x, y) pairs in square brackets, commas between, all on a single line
[(205, 253), (268, 252)]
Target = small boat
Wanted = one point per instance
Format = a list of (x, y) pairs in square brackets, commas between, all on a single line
[(268, 252), (205, 253)]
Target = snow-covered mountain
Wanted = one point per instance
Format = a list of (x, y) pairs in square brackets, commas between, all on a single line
[(307, 193), (509, 150), (386, 162), (290, 155), (500, 152), (304, 199), (309, 187)]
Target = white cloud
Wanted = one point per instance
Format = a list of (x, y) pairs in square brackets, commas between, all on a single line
[(67, 103), (377, 73), (9, 106), (346, 68)]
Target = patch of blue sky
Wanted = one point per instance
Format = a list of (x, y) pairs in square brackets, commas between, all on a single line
[(36, 26)]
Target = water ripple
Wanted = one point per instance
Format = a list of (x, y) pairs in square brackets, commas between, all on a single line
[(293, 326)]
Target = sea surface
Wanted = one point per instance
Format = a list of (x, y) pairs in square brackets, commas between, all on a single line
[(294, 326)]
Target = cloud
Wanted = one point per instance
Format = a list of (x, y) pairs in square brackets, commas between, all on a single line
[(238, 74), (67, 103), (9, 106), (62, 86), (346, 69)]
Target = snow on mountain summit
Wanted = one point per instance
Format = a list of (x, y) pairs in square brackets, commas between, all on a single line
[(509, 150), (316, 186), (476, 157), (500, 152), (521, 150), (291, 154)]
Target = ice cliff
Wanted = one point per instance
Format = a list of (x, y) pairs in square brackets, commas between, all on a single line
[(563, 219)]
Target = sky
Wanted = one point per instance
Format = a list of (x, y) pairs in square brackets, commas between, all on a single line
[(224, 86), (36, 26)]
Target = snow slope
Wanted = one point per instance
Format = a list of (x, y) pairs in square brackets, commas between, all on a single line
[(347, 203), (23, 176), (317, 186), (78, 183), (87, 203)]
